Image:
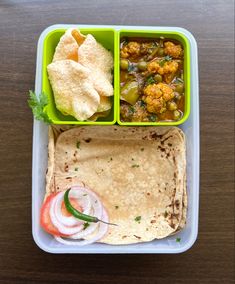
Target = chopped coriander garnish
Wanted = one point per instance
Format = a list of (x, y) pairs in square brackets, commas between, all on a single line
[(165, 214), (164, 60), (135, 166), (131, 67), (138, 218), (131, 109), (178, 240), (132, 159), (142, 149), (116, 206), (142, 103), (76, 169), (78, 144), (152, 118), (111, 159), (85, 225), (168, 58), (150, 80)]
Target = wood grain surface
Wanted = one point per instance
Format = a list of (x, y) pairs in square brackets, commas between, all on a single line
[(211, 259)]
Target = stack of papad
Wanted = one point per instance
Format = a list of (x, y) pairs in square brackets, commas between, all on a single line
[(139, 174), (80, 76)]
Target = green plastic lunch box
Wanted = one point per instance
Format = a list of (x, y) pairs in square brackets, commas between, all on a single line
[(110, 39)]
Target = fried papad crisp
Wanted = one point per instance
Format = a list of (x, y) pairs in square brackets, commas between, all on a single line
[(73, 89)]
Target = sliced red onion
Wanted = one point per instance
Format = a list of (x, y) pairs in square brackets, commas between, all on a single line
[(66, 230), (73, 227), (102, 230), (83, 200)]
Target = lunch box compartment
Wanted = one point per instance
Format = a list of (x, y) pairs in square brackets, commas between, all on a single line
[(172, 34), (177, 243), (108, 38)]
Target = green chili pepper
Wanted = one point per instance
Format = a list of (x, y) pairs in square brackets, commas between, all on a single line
[(78, 214)]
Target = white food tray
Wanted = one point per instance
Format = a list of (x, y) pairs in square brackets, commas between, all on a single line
[(191, 129)]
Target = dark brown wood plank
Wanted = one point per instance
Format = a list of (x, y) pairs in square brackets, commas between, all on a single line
[(211, 259)]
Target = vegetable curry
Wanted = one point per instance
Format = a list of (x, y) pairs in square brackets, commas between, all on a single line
[(152, 82)]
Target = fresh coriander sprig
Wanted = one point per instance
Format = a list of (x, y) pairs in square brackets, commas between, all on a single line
[(37, 105)]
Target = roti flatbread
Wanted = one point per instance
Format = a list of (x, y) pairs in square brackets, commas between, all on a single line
[(138, 173)]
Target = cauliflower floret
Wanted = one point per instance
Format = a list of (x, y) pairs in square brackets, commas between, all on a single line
[(168, 67), (132, 49), (156, 96), (167, 91), (153, 90), (153, 67), (173, 50)]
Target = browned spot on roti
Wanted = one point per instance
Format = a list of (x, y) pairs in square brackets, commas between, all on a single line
[(88, 140), (177, 204), (137, 237), (172, 226), (155, 136)]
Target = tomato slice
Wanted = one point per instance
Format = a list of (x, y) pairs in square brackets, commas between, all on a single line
[(45, 219)]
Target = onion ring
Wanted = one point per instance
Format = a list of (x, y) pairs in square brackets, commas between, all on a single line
[(74, 228), (103, 228)]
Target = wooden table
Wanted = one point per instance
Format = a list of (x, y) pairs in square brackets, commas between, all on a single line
[(211, 259)]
